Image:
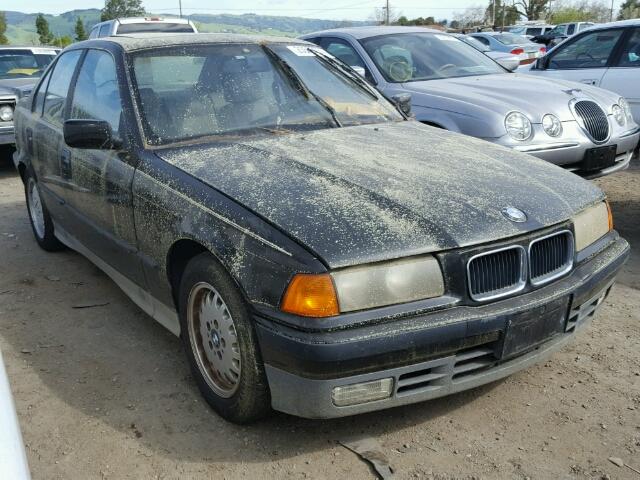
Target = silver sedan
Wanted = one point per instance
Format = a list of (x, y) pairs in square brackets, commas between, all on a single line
[(585, 129)]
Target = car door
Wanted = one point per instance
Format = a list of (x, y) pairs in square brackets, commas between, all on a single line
[(98, 181), (623, 77), (44, 137), (584, 58)]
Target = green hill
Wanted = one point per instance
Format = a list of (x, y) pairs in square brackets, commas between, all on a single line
[(21, 26)]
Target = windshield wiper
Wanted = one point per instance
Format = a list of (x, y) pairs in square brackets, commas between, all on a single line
[(298, 84), (347, 72)]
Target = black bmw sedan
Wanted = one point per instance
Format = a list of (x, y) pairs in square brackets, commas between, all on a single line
[(316, 251)]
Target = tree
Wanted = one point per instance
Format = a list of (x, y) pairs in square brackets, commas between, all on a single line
[(63, 41), (629, 9), (3, 29), (380, 16), (42, 27), (470, 17), (504, 14), (121, 8), (580, 11), (454, 24), (532, 9), (81, 33)]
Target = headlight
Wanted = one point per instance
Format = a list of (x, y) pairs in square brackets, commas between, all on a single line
[(388, 283), (591, 224), (518, 126), (6, 113), (359, 288), (627, 109), (551, 125), (619, 114)]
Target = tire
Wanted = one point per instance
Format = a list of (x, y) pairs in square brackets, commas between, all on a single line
[(39, 217), (220, 342)]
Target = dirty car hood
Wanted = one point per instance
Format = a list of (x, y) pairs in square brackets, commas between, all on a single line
[(369, 193), (502, 93)]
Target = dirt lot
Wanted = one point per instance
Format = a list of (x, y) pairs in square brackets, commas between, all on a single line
[(105, 392)]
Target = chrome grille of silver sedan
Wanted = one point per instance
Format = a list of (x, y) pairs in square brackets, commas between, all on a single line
[(593, 119)]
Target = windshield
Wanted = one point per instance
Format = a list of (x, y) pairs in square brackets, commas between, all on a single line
[(412, 57), (246, 89), (155, 27), (510, 39), (24, 63)]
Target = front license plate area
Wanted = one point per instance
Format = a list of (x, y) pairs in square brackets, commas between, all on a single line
[(599, 158), (528, 329)]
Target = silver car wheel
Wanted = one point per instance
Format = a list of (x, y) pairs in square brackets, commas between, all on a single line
[(214, 340), (36, 211)]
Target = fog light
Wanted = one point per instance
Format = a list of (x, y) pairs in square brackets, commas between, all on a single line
[(6, 113), (362, 392)]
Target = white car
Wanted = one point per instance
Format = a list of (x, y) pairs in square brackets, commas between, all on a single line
[(123, 26), (13, 459), (606, 56)]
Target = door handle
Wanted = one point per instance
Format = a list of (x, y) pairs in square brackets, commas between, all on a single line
[(30, 141), (65, 164), (589, 81)]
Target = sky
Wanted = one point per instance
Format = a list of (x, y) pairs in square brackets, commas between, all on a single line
[(327, 9)]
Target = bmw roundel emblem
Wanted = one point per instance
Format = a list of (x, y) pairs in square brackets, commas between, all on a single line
[(514, 214)]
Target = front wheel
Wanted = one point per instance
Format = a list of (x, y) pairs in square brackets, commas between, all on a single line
[(220, 342), (41, 222)]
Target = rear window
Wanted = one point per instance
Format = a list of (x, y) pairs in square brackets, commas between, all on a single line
[(510, 39), (154, 28)]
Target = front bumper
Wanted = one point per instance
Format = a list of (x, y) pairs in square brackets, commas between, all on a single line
[(569, 151), (431, 355)]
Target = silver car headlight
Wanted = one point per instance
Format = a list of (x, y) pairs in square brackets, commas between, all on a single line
[(627, 109), (6, 113), (388, 283), (552, 125), (592, 224), (518, 126), (619, 114)]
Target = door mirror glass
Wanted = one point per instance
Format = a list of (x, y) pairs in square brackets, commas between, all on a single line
[(88, 134), (403, 102)]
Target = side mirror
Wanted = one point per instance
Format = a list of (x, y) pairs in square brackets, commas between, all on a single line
[(403, 102), (509, 63), (89, 134), (359, 70)]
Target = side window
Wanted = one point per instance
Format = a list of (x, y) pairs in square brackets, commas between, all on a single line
[(483, 40), (38, 102), (105, 30), (343, 51), (571, 29), (56, 97), (94, 32), (591, 50), (96, 95), (630, 56)]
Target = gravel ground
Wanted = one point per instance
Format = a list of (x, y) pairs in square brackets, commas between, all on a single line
[(106, 393)]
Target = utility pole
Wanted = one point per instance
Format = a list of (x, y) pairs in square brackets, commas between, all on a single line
[(387, 13), (180, 4), (493, 13), (612, 10)]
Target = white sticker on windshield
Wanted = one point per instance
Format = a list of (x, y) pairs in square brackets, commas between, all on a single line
[(447, 38), (301, 50)]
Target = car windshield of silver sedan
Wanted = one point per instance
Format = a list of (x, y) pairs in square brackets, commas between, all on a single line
[(247, 89), (23, 63), (413, 57)]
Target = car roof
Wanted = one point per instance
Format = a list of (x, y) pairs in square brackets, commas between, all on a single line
[(635, 22), (138, 41), (183, 21), (371, 31)]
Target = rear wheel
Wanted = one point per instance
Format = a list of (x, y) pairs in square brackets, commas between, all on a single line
[(41, 222), (220, 342)]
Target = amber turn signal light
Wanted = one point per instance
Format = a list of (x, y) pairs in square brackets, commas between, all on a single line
[(311, 295), (610, 215)]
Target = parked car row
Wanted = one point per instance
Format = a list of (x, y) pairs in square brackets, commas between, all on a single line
[(318, 251)]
